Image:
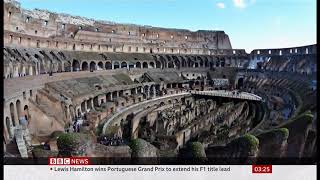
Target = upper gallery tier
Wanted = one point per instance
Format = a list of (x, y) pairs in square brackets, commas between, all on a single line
[(41, 28)]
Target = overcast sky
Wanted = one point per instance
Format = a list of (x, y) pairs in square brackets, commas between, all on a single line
[(250, 24)]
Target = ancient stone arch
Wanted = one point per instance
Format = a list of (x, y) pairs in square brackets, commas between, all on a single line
[(183, 61), (26, 111), (8, 126), (145, 65), (12, 113), (223, 62), (206, 61), (89, 103), (114, 94), (96, 101), (189, 62), (158, 64), (76, 65), (18, 106), (200, 61), (163, 61), (152, 64), (100, 65), (177, 62), (217, 63), (93, 66), (240, 83), (108, 65), (72, 111), (138, 64), (124, 65), (170, 64), (84, 66)]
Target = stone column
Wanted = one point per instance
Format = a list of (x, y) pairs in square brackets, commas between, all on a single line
[(92, 104), (85, 106), (39, 68), (154, 91), (6, 131), (89, 105), (68, 113), (148, 93), (78, 110)]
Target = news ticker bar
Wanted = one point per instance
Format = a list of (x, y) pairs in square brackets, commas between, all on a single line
[(168, 161), (160, 172), (83, 161)]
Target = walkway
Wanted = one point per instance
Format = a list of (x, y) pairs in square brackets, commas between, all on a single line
[(229, 94)]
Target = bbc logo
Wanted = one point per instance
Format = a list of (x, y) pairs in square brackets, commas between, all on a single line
[(59, 161), (69, 161)]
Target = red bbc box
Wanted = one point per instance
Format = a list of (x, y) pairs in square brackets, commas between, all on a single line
[(69, 161), (261, 169)]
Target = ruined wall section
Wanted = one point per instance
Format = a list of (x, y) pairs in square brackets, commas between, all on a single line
[(45, 24)]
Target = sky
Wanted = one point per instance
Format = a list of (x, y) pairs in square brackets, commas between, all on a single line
[(250, 24)]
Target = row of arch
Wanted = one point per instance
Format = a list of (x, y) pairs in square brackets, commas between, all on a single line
[(19, 63), (171, 61), (16, 113), (148, 91), (92, 66), (55, 62), (43, 68), (161, 102), (158, 62)]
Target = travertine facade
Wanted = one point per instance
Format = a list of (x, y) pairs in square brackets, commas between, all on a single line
[(40, 28)]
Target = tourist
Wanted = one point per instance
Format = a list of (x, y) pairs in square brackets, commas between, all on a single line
[(46, 146)]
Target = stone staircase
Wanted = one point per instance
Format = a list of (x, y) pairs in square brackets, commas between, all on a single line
[(20, 134), (18, 146), (27, 136)]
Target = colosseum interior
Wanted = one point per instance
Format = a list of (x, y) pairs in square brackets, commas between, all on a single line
[(79, 87)]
